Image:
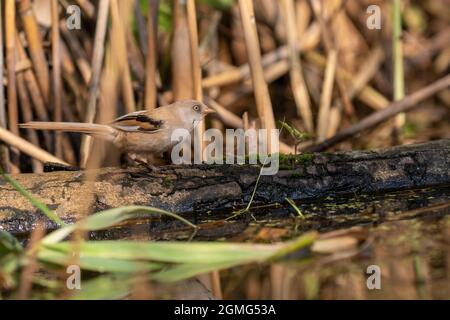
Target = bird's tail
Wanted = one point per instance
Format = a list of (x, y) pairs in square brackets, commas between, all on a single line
[(99, 130)]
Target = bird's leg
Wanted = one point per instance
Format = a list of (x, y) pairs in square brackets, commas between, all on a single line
[(140, 160)]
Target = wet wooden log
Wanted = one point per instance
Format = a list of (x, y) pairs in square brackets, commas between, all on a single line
[(195, 188)]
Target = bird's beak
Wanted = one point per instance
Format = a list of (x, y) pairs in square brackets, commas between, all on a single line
[(208, 110)]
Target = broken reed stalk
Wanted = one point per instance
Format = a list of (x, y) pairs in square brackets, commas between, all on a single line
[(397, 56), (13, 117), (28, 148), (120, 47), (150, 90), (261, 91), (97, 62), (35, 47), (56, 76), (323, 120), (406, 104), (4, 152), (298, 84), (196, 73)]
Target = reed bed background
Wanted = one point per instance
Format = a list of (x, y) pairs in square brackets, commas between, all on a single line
[(312, 64)]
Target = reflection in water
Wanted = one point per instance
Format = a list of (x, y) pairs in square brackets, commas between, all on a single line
[(405, 233)]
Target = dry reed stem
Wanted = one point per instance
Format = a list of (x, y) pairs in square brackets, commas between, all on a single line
[(27, 147), (97, 61), (35, 46), (13, 118), (406, 104), (397, 60), (196, 70), (366, 72), (234, 75), (135, 58), (261, 90), (368, 94), (271, 73), (141, 26), (27, 115), (77, 51), (232, 120), (323, 120), (4, 152), (34, 92), (150, 90), (120, 48), (87, 7), (329, 43), (182, 86), (56, 76), (299, 89), (227, 117)]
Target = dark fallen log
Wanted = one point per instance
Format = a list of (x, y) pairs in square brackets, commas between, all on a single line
[(183, 189)]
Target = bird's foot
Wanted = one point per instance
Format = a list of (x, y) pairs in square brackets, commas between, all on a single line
[(143, 162)]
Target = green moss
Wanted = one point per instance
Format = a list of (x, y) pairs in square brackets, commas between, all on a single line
[(289, 161), (167, 182)]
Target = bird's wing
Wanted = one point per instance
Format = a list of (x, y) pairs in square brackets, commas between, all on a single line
[(137, 121)]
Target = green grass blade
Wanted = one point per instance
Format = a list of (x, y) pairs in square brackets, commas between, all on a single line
[(109, 218), (41, 206), (189, 270)]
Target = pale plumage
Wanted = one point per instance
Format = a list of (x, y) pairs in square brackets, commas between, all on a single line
[(141, 131)]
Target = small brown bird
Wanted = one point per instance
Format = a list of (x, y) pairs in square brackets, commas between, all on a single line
[(141, 132)]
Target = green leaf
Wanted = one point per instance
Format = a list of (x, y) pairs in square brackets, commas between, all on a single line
[(170, 252), (97, 264), (109, 218)]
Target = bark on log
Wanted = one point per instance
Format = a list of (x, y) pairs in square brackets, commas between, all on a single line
[(184, 189)]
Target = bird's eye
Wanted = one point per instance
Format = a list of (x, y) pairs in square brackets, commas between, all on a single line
[(196, 107)]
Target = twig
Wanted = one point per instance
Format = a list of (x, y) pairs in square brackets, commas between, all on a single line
[(406, 104), (28, 148)]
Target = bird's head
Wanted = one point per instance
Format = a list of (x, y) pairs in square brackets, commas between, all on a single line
[(193, 110)]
